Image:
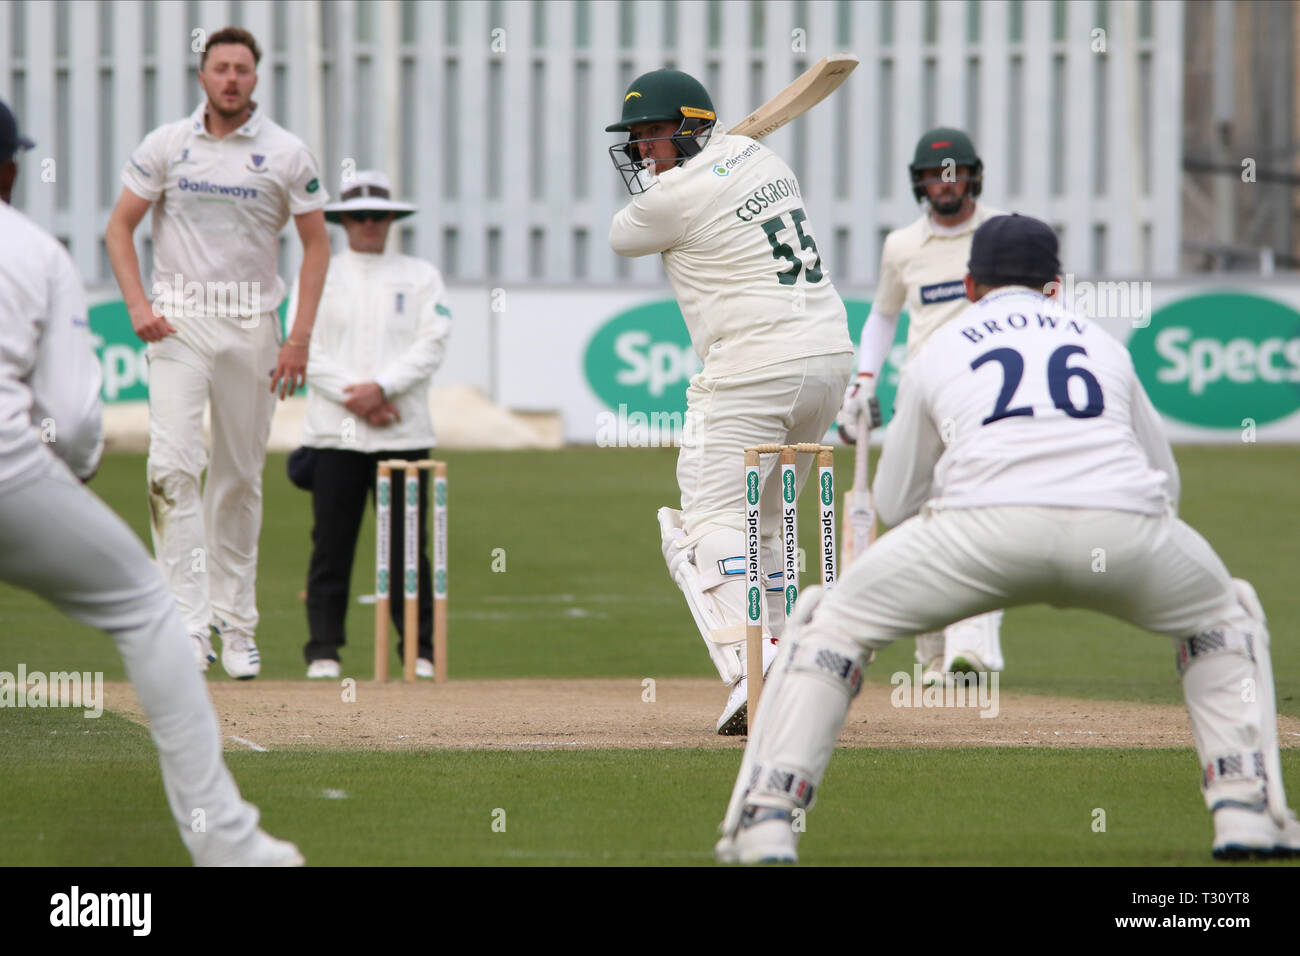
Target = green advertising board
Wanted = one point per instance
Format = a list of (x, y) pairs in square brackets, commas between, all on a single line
[(120, 352), (642, 358), (1218, 360)]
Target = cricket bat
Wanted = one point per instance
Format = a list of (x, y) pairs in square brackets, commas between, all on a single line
[(816, 83), (859, 508)]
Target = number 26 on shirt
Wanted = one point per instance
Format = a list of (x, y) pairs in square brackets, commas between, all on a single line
[(1058, 383)]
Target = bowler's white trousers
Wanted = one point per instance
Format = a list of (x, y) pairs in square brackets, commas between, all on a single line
[(206, 541), (65, 545)]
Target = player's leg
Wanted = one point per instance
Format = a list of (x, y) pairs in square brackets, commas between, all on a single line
[(812, 410), (806, 413), (929, 654), (242, 406), (973, 645), (67, 546), (1160, 574), (920, 576), (179, 371), (704, 544), (341, 484)]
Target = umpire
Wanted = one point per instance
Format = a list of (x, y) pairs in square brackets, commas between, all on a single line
[(380, 334)]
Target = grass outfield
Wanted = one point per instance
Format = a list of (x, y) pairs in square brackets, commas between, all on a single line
[(932, 807), (584, 593)]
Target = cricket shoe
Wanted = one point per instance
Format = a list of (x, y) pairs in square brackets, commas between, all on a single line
[(766, 835), (932, 673), (1241, 833), (734, 721), (735, 716), (259, 849), (239, 655), (203, 652), (323, 669), (424, 668), (974, 645), (966, 662)]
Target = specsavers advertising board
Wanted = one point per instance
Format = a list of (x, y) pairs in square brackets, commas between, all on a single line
[(1221, 364)]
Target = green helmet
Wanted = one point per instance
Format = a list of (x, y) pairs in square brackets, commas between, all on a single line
[(940, 148), (662, 96)]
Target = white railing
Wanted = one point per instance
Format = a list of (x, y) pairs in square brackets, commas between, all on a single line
[(491, 114)]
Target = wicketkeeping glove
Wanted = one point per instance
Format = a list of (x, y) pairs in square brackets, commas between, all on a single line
[(859, 399)]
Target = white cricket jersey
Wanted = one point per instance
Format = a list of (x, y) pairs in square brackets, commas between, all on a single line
[(49, 376), (925, 270), (1019, 402), (741, 256), (219, 206), (382, 318)]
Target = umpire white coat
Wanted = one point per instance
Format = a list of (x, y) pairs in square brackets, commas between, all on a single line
[(382, 318)]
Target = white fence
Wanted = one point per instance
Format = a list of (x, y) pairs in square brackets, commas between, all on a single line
[(490, 115)]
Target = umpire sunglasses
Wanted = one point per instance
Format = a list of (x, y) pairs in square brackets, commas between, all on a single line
[(368, 215)]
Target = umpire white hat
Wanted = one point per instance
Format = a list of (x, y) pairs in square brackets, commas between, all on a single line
[(367, 191)]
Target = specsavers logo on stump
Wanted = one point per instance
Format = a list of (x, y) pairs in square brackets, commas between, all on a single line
[(1217, 360)]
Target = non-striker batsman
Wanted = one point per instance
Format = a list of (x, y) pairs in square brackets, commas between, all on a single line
[(727, 216)]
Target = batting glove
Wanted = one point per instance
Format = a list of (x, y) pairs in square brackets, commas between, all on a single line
[(859, 400)]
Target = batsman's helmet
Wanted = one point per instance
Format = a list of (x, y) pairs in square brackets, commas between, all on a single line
[(946, 147), (662, 96)]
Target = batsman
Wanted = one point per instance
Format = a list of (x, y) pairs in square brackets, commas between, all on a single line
[(727, 216)]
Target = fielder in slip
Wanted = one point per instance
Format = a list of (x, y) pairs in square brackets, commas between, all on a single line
[(921, 265), (727, 216), (1026, 448)]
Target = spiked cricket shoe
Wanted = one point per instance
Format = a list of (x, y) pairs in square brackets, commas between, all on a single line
[(1241, 833), (239, 655), (766, 835)]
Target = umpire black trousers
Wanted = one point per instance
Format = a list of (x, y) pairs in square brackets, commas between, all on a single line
[(342, 483)]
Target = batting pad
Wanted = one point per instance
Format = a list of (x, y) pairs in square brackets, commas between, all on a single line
[(1231, 708), (709, 569), (791, 742)]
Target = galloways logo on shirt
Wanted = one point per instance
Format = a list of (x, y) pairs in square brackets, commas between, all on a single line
[(203, 186)]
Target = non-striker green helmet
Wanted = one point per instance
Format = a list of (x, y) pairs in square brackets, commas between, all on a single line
[(946, 147), (662, 96)]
